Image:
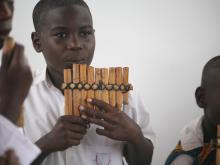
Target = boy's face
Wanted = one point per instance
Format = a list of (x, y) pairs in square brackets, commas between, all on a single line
[(212, 97), (66, 36), (6, 13)]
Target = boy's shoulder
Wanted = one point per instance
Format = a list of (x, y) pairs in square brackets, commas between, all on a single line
[(39, 76), (137, 111), (191, 135), (134, 98), (190, 146)]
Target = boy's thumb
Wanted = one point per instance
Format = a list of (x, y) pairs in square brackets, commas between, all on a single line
[(8, 47)]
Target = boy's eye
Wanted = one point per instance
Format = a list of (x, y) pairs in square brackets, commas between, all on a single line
[(61, 35), (11, 3), (86, 33), (7, 3)]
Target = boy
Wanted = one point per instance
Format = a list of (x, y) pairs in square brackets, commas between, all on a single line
[(65, 35), (196, 140), (13, 90)]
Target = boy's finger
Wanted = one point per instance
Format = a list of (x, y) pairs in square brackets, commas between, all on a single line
[(5, 62), (18, 56), (88, 112), (101, 123), (76, 128), (8, 48), (101, 104), (73, 120), (95, 114), (11, 157), (15, 58), (103, 132)]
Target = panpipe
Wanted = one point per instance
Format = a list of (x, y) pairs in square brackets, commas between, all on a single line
[(20, 121), (8, 48), (8, 45), (218, 146), (107, 84)]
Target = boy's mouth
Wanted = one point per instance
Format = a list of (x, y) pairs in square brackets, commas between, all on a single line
[(75, 61), (68, 64), (5, 26), (4, 33)]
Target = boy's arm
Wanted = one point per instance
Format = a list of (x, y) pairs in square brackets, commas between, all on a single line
[(140, 152), (119, 126), (40, 159)]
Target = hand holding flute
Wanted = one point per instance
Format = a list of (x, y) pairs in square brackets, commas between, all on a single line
[(15, 79)]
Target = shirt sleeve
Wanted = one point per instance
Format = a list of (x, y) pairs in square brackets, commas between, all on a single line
[(137, 111), (12, 138)]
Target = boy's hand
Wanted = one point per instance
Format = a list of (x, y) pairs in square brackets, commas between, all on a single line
[(9, 158), (68, 132), (116, 124), (15, 81)]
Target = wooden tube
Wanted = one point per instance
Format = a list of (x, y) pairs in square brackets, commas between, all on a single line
[(104, 78), (108, 85), (76, 92), (8, 46), (119, 95), (218, 146), (98, 93), (125, 82), (68, 92), (83, 80), (20, 122), (91, 81), (112, 93)]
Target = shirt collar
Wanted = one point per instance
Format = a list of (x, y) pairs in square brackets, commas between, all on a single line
[(191, 136), (41, 76)]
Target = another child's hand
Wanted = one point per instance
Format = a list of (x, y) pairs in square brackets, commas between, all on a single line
[(67, 132), (116, 124), (15, 81), (9, 158)]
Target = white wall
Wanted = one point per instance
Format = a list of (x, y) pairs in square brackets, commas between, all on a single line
[(165, 44)]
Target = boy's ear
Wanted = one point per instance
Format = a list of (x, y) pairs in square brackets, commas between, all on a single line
[(200, 97), (35, 36)]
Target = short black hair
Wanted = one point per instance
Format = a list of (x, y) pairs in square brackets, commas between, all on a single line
[(45, 5), (212, 64)]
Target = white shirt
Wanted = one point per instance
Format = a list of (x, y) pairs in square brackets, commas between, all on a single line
[(45, 104), (12, 138), (191, 137)]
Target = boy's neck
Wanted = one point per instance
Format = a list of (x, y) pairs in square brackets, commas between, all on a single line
[(209, 130), (56, 78)]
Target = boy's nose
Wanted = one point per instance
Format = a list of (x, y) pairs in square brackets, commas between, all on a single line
[(74, 44), (5, 11)]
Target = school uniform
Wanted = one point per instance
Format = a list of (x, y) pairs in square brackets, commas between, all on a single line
[(191, 149), (45, 104)]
